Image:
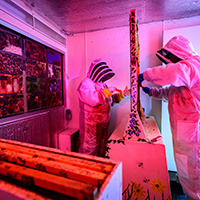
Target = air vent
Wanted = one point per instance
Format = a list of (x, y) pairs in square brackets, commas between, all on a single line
[(16, 11), (45, 29), (20, 13)]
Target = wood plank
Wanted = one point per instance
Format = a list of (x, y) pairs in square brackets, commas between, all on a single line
[(48, 181), (59, 156), (19, 193), (44, 164)]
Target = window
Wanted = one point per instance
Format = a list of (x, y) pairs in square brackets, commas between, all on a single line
[(30, 75)]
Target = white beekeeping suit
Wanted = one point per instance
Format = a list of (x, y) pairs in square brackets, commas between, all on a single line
[(95, 102), (182, 73)]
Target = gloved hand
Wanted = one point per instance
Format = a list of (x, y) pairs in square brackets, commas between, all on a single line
[(146, 89), (140, 78), (116, 98), (106, 92)]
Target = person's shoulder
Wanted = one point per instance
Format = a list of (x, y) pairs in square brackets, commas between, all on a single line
[(87, 80), (191, 62), (87, 83)]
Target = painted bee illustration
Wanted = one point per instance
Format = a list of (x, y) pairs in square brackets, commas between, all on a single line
[(140, 164), (146, 180)]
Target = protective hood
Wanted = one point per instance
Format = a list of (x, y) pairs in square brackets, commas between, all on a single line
[(177, 46), (99, 71)]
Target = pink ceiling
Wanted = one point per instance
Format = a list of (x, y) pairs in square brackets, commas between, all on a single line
[(77, 16)]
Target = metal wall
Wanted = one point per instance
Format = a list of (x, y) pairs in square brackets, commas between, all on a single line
[(40, 128)]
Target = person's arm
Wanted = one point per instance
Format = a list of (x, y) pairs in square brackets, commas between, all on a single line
[(159, 93), (91, 93), (177, 74)]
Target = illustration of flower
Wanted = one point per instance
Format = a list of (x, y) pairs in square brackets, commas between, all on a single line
[(158, 186), (138, 191)]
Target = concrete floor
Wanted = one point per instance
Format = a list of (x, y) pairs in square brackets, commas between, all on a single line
[(176, 189)]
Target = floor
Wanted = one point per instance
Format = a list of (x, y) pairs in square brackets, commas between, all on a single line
[(176, 189)]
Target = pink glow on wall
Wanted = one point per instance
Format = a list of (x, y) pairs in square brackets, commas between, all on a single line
[(113, 45)]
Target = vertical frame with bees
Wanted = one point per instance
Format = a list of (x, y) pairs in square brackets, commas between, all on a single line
[(134, 62), (133, 127)]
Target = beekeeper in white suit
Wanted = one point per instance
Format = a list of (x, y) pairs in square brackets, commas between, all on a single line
[(182, 73), (95, 99)]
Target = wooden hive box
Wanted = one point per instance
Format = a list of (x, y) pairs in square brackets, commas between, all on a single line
[(35, 172)]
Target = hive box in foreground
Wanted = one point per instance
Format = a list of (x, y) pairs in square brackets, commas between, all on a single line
[(35, 172)]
